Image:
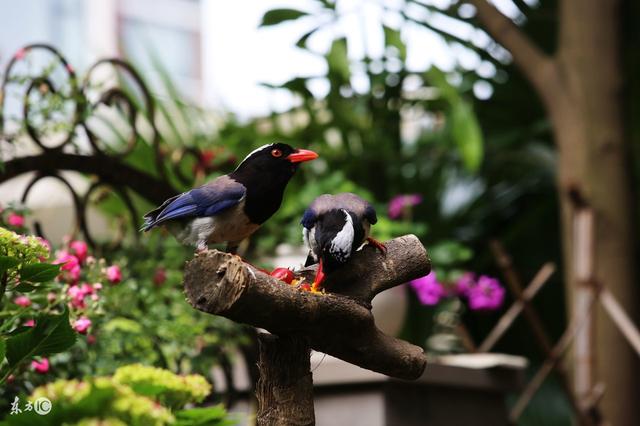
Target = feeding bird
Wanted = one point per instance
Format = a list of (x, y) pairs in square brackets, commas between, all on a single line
[(231, 207), (335, 227)]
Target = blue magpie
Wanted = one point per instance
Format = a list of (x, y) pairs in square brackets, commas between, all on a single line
[(231, 207), (335, 227)]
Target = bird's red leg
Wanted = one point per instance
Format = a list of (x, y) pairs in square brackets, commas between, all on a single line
[(377, 245), (319, 277)]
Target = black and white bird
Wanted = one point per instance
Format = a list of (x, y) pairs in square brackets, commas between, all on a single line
[(231, 207), (335, 227)]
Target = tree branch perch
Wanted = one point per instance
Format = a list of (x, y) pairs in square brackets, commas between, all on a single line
[(339, 323)]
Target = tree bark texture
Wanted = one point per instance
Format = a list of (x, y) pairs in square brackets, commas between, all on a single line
[(341, 325), (285, 386), (581, 87), (595, 159)]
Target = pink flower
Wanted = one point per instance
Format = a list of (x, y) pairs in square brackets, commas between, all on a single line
[(97, 286), (428, 289), (160, 276), (16, 220), (23, 301), (76, 294), (40, 367), (70, 265), (114, 275), (79, 248), (487, 294), (464, 283), (400, 203), (30, 323), (51, 297), (87, 288), (82, 324), (20, 53)]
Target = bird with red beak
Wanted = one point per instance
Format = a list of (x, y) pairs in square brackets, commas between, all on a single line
[(231, 207)]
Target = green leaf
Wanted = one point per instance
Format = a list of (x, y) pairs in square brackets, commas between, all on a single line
[(24, 288), (277, 16), (216, 416), (302, 41), (467, 135), (51, 334), (3, 349), (39, 272), (338, 60), (448, 253), (464, 128), (392, 38), (8, 262)]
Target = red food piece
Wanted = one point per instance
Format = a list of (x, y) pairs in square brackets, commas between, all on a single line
[(305, 287), (283, 274)]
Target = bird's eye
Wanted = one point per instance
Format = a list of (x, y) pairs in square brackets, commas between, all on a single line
[(276, 153)]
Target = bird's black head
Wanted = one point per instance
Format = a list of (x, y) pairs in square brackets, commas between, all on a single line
[(265, 173), (277, 160)]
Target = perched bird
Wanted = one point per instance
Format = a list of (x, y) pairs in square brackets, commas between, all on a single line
[(334, 227), (231, 207)]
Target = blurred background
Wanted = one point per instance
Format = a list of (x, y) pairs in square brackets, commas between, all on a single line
[(503, 137)]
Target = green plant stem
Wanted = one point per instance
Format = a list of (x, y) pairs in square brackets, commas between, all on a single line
[(3, 287)]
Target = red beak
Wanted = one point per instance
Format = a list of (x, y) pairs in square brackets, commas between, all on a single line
[(301, 155)]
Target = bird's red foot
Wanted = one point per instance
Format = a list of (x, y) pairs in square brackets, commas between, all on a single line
[(377, 245)]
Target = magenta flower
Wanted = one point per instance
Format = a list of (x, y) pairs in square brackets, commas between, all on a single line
[(40, 367), (428, 289), (23, 301), (82, 324), (464, 283), (486, 294), (16, 220), (399, 204), (70, 265), (114, 275), (79, 248), (30, 323)]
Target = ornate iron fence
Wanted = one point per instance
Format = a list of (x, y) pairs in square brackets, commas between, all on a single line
[(48, 141)]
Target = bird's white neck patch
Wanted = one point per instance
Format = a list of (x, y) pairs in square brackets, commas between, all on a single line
[(342, 242), (254, 151)]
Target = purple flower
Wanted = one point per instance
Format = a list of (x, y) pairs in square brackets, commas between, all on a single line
[(487, 294), (464, 283), (428, 289), (399, 203)]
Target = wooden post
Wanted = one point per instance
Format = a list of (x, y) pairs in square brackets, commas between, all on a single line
[(583, 250), (285, 387)]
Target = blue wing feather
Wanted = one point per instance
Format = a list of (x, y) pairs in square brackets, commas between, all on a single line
[(204, 201)]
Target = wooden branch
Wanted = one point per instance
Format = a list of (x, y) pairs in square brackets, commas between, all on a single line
[(285, 387), (532, 61), (341, 325)]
